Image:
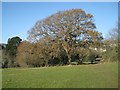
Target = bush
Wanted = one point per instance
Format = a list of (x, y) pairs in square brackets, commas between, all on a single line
[(91, 56), (111, 55)]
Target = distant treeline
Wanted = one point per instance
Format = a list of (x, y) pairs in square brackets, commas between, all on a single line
[(66, 37)]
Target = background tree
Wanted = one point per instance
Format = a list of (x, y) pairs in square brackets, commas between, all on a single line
[(3, 56), (23, 53), (11, 49), (111, 45)]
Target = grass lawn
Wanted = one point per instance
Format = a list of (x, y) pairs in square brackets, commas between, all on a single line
[(0, 79), (81, 76)]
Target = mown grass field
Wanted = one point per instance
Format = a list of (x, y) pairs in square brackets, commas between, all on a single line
[(81, 76), (0, 79)]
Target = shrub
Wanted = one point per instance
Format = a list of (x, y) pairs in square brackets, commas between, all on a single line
[(111, 55), (91, 56)]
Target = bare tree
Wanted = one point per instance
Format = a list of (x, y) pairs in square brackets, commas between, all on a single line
[(72, 28)]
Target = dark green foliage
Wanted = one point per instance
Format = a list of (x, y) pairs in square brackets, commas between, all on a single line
[(9, 52), (12, 44), (4, 59)]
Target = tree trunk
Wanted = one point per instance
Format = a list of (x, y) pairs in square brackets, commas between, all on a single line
[(67, 49), (69, 58)]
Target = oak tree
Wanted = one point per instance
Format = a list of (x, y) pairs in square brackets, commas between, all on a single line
[(72, 28)]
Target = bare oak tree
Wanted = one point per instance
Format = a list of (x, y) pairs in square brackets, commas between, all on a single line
[(72, 28)]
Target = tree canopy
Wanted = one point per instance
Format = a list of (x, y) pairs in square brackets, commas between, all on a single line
[(66, 25), (66, 37), (9, 52), (72, 28)]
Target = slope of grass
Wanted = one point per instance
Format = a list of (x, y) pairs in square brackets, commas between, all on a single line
[(81, 76)]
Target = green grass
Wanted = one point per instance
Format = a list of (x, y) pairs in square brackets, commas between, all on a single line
[(0, 79), (81, 76)]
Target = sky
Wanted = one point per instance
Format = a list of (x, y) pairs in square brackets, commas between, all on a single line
[(19, 17)]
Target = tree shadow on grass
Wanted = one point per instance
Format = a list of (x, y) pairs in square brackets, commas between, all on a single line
[(89, 63)]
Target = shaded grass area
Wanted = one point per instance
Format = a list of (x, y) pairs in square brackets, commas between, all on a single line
[(80, 76)]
